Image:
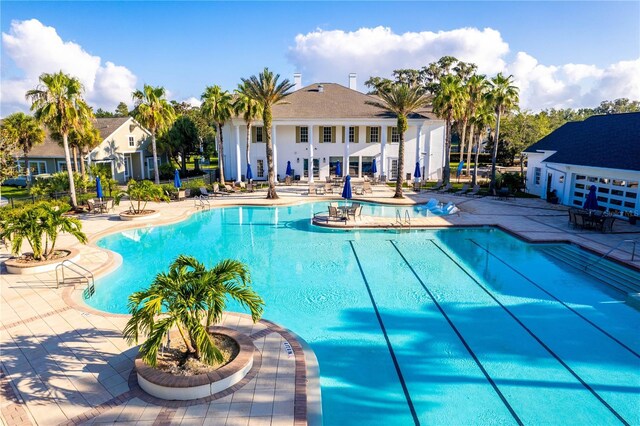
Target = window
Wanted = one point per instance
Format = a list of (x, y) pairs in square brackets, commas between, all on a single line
[(354, 166), (395, 135), (132, 141), (367, 162), (326, 134), (333, 162), (614, 194), (37, 167), (537, 174), (304, 134), (374, 134), (352, 134), (259, 134), (316, 168), (393, 169), (62, 166), (260, 168)]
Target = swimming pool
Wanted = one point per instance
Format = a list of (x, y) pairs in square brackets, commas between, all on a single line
[(456, 326)]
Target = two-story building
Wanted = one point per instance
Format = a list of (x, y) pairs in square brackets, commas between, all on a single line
[(323, 123)]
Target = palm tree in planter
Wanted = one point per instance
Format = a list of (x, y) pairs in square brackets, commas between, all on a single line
[(503, 95), (154, 112), (268, 92), (191, 298), (58, 103), (401, 100), (39, 225), (139, 194), (26, 133)]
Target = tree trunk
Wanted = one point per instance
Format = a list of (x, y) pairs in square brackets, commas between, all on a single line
[(248, 143), (72, 185), (402, 123), (446, 175), (470, 147), (27, 170), (271, 193), (156, 172), (221, 154), (462, 139), (75, 159), (475, 160), (183, 158), (83, 169), (494, 154)]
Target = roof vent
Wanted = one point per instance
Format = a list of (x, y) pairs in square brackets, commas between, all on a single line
[(320, 88)]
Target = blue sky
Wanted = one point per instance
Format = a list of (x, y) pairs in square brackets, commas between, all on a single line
[(188, 45)]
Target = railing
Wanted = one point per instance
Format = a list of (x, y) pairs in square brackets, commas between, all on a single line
[(80, 271), (403, 222), (633, 252), (407, 218), (201, 202)]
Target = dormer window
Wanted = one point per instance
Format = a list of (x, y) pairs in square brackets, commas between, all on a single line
[(132, 141)]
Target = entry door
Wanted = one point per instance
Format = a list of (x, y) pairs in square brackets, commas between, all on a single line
[(150, 168), (549, 182), (128, 170), (393, 168), (316, 168)]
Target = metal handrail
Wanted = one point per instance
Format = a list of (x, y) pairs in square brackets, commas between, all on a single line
[(398, 217), (633, 252), (91, 282), (407, 217)]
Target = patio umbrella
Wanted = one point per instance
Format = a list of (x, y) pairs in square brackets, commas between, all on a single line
[(176, 179), (346, 192), (591, 203), (459, 170), (249, 173), (288, 172), (416, 172), (99, 188), (338, 168), (374, 169)]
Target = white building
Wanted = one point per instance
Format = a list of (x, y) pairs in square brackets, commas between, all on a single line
[(323, 123), (602, 150)]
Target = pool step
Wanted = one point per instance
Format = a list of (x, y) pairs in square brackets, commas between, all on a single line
[(616, 276)]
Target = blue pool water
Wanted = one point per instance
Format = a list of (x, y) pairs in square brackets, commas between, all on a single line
[(456, 326)]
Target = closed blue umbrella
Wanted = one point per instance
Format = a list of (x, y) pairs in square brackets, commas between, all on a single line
[(346, 191), (459, 170), (338, 169), (591, 203), (99, 188), (176, 179), (416, 172), (374, 169), (289, 172), (249, 173)]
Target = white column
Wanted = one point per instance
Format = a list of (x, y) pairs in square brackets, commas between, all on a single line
[(238, 162), (345, 163), (141, 163), (427, 153), (311, 154), (418, 137), (275, 151), (383, 146)]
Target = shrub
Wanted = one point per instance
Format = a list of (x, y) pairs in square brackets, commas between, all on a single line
[(140, 193)]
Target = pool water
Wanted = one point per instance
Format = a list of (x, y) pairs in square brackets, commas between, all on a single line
[(456, 326)]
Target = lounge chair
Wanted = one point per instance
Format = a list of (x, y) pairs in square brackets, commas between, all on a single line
[(437, 186), (464, 190), (320, 190), (445, 188), (229, 188), (92, 206), (328, 179), (366, 187), (474, 191), (311, 189), (288, 180), (417, 186), (207, 194), (328, 188), (251, 187)]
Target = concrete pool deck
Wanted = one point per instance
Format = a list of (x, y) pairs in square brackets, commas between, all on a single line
[(63, 363)]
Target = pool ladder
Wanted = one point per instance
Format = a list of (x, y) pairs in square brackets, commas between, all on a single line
[(81, 273), (402, 223), (201, 202)]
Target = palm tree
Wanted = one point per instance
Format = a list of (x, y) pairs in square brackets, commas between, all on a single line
[(265, 89), (58, 103), (402, 100), (155, 113), (217, 105), (448, 102), (480, 122), (26, 133), (249, 108), (504, 98), (476, 88), (191, 298)]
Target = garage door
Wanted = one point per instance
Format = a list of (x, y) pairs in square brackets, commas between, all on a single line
[(615, 194)]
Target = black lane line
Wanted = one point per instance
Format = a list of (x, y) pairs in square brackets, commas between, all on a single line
[(386, 338), (532, 334), (462, 339), (558, 300)]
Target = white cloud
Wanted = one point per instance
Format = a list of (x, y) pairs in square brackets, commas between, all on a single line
[(35, 48), (193, 101), (331, 55)]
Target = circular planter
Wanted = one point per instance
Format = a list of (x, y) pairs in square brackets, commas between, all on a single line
[(171, 387), (15, 266), (147, 214)]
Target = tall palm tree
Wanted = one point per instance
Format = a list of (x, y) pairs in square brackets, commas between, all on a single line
[(503, 95), (58, 103), (480, 122), (153, 111), (26, 133), (217, 105), (265, 89), (402, 100), (476, 87), (191, 298), (448, 102), (249, 108)]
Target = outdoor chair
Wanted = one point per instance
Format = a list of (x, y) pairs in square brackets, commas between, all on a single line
[(242, 186), (92, 206), (366, 187), (355, 210), (572, 217), (328, 179), (328, 188), (287, 180), (416, 186), (251, 187), (607, 224), (464, 189), (320, 190), (311, 189), (109, 205), (333, 204), (446, 188), (205, 193), (336, 214), (229, 188), (358, 190), (437, 186), (474, 191), (580, 222)]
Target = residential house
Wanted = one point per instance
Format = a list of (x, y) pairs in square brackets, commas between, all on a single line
[(603, 150), (323, 123)]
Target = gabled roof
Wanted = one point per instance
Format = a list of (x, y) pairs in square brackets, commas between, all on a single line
[(334, 102), (610, 141)]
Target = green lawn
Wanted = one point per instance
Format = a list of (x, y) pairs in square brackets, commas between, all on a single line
[(13, 192)]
